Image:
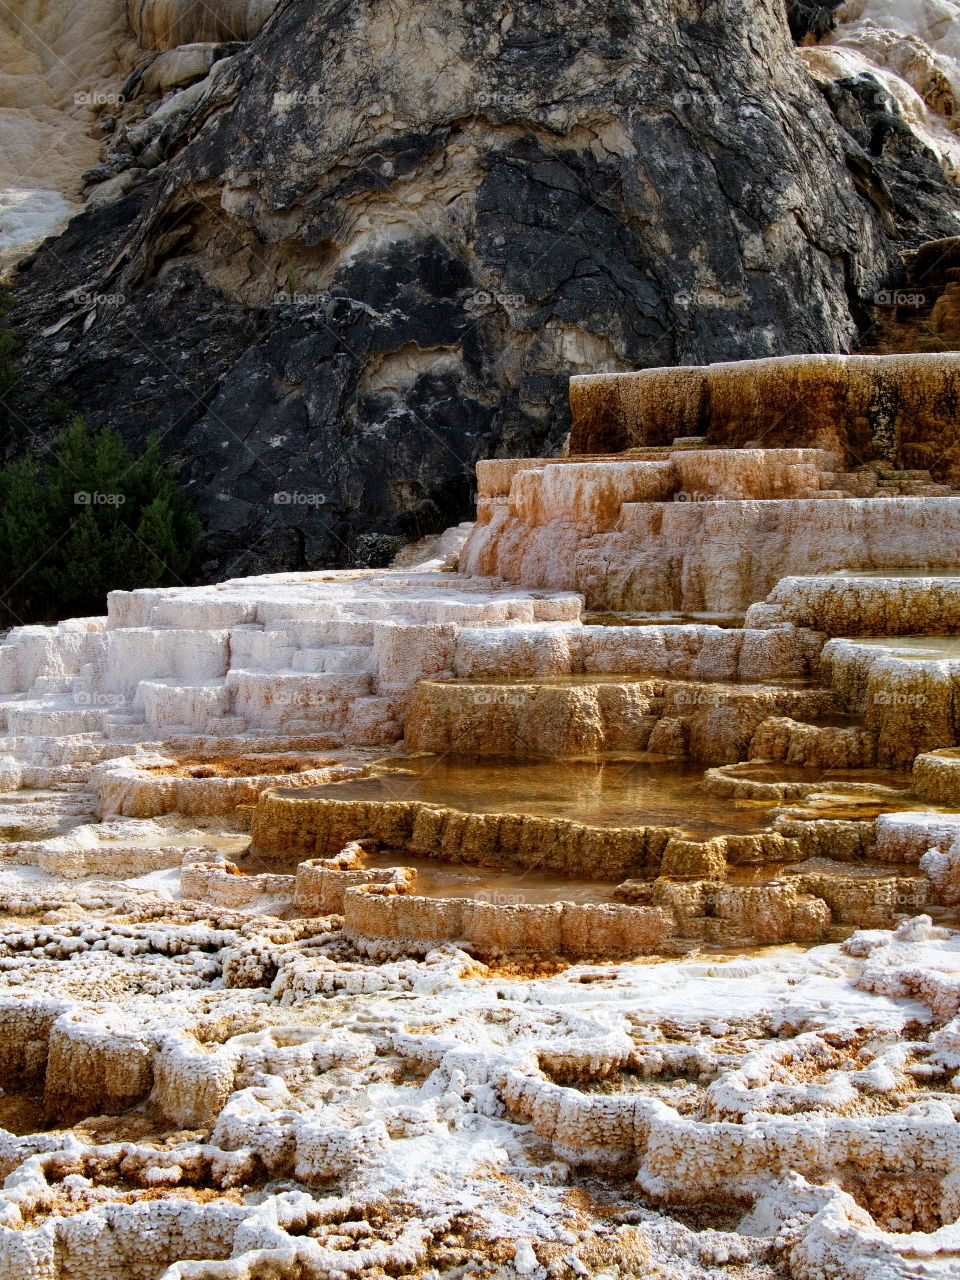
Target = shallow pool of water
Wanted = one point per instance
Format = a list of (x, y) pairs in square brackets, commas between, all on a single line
[(229, 842), (625, 790), (504, 888), (898, 572), (921, 646), (511, 887), (764, 771)]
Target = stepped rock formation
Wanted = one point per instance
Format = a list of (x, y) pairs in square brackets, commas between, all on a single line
[(367, 248), (580, 896), (897, 410), (371, 922)]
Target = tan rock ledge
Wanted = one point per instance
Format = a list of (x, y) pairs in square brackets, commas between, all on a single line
[(757, 780), (860, 406), (711, 721), (144, 786), (878, 604), (291, 826), (936, 776)]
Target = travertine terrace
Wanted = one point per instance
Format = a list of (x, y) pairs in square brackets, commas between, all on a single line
[(582, 908)]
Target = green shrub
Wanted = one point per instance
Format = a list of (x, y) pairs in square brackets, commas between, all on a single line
[(91, 520), (10, 374)]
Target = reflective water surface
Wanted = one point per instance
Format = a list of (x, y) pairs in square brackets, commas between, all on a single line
[(613, 790), (896, 573), (503, 888), (617, 790), (775, 771), (920, 646)]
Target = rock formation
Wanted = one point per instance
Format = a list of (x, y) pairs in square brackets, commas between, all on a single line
[(333, 291), (895, 410), (579, 896), (64, 71), (362, 921), (703, 531), (786, 1113)]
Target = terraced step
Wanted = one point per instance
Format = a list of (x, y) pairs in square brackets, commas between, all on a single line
[(168, 704), (299, 701), (708, 721), (314, 633), (879, 603), (226, 725), (718, 543), (894, 477), (333, 658), (936, 776), (51, 686), (130, 731), (864, 401), (51, 720)]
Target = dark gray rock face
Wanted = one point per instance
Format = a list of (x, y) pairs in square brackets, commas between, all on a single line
[(373, 246), (891, 169), (811, 18)]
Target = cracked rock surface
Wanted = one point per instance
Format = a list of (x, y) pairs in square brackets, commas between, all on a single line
[(224, 1096)]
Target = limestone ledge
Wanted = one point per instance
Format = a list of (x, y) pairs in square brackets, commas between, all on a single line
[(684, 651), (845, 605), (907, 699), (334, 656), (936, 776), (113, 849), (680, 896), (709, 721), (751, 780), (709, 530), (320, 883), (716, 556), (145, 785), (853, 406), (824, 746), (209, 877), (904, 837), (286, 826), (488, 930)]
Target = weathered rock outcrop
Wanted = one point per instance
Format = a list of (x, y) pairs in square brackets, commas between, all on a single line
[(909, 52), (368, 247), (165, 24), (66, 69), (57, 61)]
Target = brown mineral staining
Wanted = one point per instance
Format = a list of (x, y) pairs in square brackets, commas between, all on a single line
[(858, 407), (243, 766), (937, 776), (165, 24)]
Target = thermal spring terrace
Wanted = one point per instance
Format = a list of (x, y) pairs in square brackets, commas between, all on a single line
[(583, 902)]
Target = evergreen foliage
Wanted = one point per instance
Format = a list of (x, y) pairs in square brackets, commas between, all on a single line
[(91, 520)]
